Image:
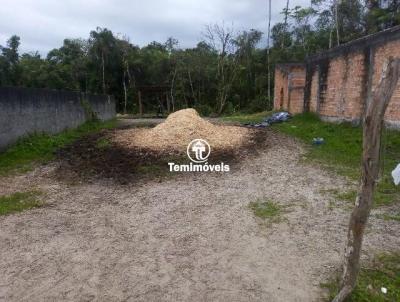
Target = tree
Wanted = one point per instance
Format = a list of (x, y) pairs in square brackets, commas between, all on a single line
[(268, 52), (69, 62), (221, 39), (9, 61), (372, 128), (381, 15), (102, 43), (225, 72)]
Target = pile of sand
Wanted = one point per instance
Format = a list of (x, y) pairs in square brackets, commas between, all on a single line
[(179, 129)]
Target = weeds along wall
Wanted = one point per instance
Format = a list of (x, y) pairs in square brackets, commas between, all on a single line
[(27, 110), (338, 83)]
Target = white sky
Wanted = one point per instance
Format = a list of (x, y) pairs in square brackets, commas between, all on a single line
[(43, 24)]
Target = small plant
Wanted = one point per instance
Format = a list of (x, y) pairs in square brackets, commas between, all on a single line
[(19, 201), (386, 217), (267, 210), (384, 272), (103, 143)]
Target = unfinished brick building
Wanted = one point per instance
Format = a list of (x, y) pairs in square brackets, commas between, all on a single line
[(336, 84)]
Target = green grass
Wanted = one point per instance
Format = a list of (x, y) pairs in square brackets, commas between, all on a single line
[(267, 210), (395, 217), (342, 150), (40, 148), (103, 143), (247, 118), (384, 272), (19, 201)]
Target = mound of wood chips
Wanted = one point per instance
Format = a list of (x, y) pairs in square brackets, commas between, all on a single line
[(179, 129)]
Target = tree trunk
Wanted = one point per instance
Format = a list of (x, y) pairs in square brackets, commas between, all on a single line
[(337, 21), (102, 64), (285, 24), (372, 128), (222, 100), (125, 93), (140, 103), (268, 54), (172, 90), (191, 88), (168, 103)]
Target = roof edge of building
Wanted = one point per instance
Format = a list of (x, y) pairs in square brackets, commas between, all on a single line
[(285, 66), (371, 40)]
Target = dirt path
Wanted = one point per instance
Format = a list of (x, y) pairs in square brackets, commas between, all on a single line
[(191, 239)]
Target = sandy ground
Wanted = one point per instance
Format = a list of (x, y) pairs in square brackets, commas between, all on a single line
[(187, 239)]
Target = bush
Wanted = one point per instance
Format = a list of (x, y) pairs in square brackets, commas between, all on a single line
[(229, 108), (258, 104), (203, 110)]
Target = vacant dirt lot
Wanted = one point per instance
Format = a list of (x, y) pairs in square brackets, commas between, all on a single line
[(187, 238)]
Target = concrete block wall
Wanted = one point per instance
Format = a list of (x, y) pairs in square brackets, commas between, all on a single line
[(27, 110)]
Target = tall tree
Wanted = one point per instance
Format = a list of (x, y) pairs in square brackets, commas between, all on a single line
[(268, 54), (102, 43), (9, 62), (221, 39)]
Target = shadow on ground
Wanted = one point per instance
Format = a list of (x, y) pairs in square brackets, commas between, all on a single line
[(96, 156)]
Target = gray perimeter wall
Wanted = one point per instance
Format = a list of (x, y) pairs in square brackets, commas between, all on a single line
[(29, 110)]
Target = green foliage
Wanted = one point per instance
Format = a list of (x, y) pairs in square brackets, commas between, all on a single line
[(229, 108), (205, 76), (384, 272), (267, 210), (103, 143), (40, 148), (395, 217), (342, 150), (259, 104), (19, 201), (204, 110)]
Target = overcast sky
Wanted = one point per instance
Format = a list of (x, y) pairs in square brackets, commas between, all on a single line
[(43, 24)]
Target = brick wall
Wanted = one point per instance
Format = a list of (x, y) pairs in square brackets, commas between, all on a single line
[(381, 53), (344, 88), (289, 87), (338, 83), (280, 89)]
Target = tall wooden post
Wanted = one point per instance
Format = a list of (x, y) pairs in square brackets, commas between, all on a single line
[(372, 128)]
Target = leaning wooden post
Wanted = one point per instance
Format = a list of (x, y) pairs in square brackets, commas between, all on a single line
[(372, 127)]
